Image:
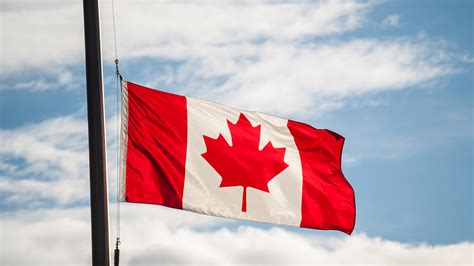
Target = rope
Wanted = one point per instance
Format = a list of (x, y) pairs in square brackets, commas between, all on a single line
[(115, 35), (118, 92)]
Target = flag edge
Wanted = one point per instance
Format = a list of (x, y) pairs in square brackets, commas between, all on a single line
[(123, 141)]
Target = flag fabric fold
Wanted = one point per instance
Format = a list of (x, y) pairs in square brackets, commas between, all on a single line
[(205, 157)]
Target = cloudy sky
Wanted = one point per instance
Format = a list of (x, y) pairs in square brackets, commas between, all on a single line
[(394, 77)]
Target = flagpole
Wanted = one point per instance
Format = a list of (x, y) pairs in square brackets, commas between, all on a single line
[(97, 148)]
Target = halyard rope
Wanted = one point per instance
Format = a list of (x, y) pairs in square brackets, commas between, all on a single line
[(118, 92)]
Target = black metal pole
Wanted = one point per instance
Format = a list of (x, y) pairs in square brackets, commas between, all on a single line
[(97, 148)]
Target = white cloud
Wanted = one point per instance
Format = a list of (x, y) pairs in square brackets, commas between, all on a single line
[(45, 161), (234, 54), (280, 57), (151, 235), (222, 23), (42, 80), (48, 79), (392, 20), (311, 78), (293, 78), (41, 34), (51, 33)]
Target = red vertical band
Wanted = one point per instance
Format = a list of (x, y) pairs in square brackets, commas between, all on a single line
[(328, 199), (156, 147)]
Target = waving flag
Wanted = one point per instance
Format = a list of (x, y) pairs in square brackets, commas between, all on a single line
[(204, 157)]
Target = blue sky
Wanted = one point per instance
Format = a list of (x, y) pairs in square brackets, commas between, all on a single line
[(394, 77)]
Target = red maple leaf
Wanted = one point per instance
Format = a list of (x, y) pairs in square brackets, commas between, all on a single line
[(243, 164)]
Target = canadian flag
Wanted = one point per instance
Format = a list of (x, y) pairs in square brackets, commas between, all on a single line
[(204, 157)]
